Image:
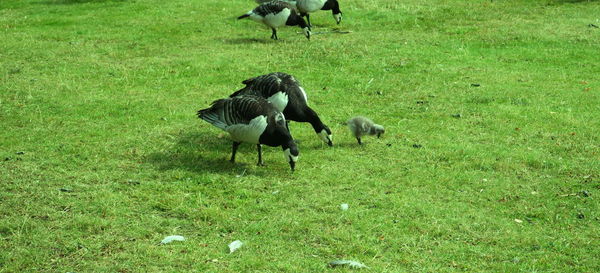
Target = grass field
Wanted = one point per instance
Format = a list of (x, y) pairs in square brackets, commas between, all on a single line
[(490, 161)]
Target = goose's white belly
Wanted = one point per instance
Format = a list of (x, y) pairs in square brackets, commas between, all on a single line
[(308, 6), (279, 100), (273, 20), (250, 132)]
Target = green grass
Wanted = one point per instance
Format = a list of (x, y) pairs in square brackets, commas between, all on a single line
[(101, 98)]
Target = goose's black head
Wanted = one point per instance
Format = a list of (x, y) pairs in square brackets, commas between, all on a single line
[(291, 153), (296, 20), (334, 6), (337, 17), (325, 135)]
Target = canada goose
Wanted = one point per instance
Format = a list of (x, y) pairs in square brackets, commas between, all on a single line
[(275, 14), (288, 96), (360, 126), (305, 7), (254, 120)]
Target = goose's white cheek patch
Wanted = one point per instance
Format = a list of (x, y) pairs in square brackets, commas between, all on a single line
[(288, 155), (324, 136), (337, 17)]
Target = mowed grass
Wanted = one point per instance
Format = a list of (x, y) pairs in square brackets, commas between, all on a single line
[(490, 161)]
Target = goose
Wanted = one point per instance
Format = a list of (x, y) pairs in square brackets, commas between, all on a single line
[(275, 14), (309, 6), (253, 120), (360, 126), (288, 96)]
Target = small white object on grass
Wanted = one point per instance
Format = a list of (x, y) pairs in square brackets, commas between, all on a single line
[(235, 245), (351, 264), (172, 238), (242, 174), (344, 206)]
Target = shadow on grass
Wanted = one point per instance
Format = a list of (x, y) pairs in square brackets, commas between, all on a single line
[(73, 2), (198, 153), (571, 1), (354, 145), (240, 41), (206, 153)]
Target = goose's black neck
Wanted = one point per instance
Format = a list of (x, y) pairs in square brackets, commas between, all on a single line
[(315, 121), (332, 5), (295, 20)]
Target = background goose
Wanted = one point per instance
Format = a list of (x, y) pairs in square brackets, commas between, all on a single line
[(308, 6), (360, 126), (276, 14), (286, 94), (254, 120)]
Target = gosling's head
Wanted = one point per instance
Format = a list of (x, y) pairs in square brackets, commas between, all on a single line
[(377, 130)]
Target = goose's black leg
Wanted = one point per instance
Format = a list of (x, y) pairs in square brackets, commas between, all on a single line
[(307, 20), (234, 150), (359, 142), (274, 35), (260, 161)]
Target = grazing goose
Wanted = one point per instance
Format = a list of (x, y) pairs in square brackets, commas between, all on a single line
[(254, 120), (360, 126), (275, 14), (309, 6), (286, 94)]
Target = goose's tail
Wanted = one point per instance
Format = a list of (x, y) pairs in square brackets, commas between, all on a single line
[(211, 116)]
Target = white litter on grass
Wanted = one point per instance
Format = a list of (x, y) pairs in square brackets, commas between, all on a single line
[(172, 238), (235, 245), (518, 220), (327, 32), (242, 174), (348, 263), (344, 206)]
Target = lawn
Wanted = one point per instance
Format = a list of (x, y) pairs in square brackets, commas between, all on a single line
[(490, 161)]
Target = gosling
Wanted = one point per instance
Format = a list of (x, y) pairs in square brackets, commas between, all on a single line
[(360, 126)]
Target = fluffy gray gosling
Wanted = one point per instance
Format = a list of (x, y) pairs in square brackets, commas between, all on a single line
[(360, 126)]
